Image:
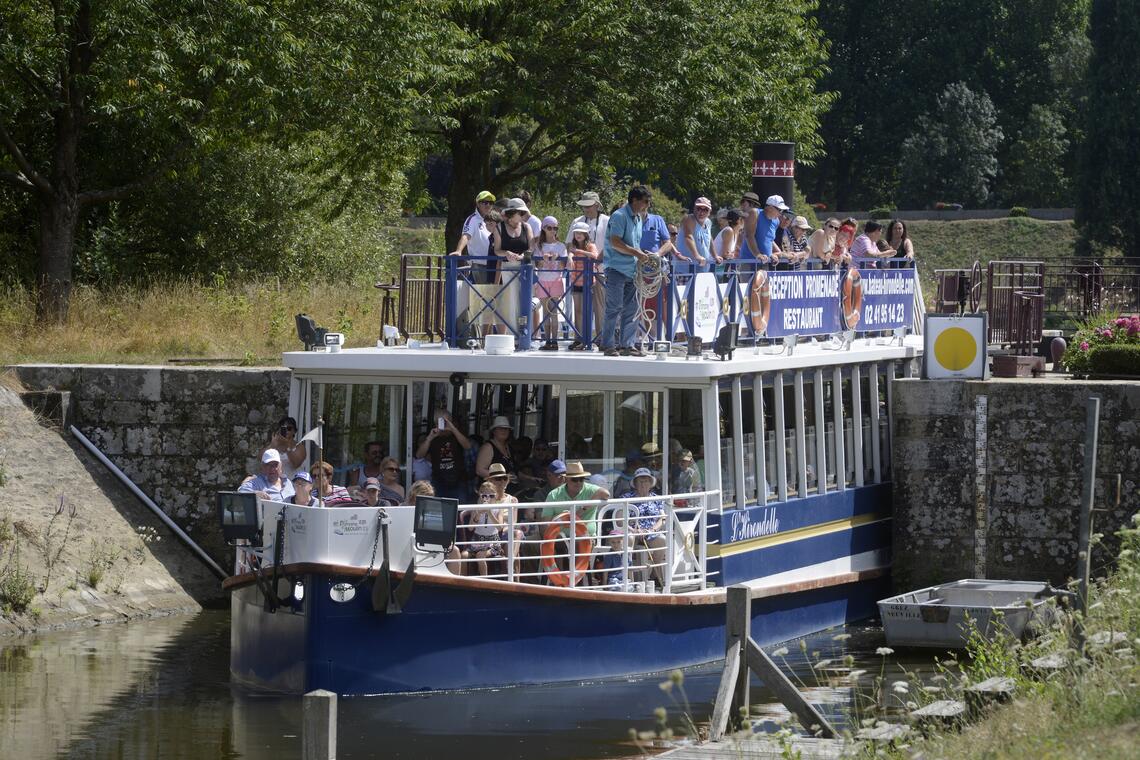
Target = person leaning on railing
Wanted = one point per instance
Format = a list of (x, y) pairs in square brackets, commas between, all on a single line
[(581, 249)]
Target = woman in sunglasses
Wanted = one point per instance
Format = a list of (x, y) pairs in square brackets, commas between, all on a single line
[(821, 244)]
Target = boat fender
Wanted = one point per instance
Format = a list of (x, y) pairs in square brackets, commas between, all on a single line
[(852, 298), (760, 302), (584, 546)]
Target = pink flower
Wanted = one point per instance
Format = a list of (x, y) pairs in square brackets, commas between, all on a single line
[(1084, 345), (1122, 322)]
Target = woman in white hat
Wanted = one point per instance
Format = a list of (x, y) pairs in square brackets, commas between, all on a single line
[(496, 450), (796, 242), (650, 524)]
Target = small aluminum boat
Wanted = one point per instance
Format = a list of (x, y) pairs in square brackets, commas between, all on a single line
[(938, 616)]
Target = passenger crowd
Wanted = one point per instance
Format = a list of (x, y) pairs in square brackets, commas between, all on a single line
[(768, 234), (493, 472)]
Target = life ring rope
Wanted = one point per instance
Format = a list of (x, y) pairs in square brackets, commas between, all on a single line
[(583, 548)]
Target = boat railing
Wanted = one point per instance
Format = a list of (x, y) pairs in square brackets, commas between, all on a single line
[(535, 550), (458, 299)]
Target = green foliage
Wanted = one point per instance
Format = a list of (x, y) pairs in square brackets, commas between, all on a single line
[(1115, 360), (951, 155), (1107, 190), (1017, 211), (17, 589), (882, 213), (1035, 170), (100, 561), (803, 208)]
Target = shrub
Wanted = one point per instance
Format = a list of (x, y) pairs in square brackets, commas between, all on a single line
[(1098, 334), (882, 213), (1019, 211), (1119, 359)]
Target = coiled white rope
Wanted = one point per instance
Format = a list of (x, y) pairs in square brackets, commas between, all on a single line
[(652, 274)]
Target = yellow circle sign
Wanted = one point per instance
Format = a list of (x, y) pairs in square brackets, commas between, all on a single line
[(955, 349)]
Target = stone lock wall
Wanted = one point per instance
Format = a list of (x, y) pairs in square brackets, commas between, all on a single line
[(179, 433), (988, 475)]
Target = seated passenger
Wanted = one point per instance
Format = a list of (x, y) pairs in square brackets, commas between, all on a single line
[(650, 524), (577, 489), (419, 488), (373, 465), (328, 492), (303, 485), (269, 484), (685, 477), (486, 525), (616, 562), (390, 487), (633, 462)]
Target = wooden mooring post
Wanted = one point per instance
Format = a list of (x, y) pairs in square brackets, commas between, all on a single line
[(318, 729), (743, 656)]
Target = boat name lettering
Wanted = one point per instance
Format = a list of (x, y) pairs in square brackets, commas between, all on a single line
[(298, 524), (353, 525), (745, 528)]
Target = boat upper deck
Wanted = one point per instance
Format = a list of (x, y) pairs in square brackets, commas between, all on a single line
[(591, 366)]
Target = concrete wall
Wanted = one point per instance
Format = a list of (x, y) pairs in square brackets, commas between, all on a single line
[(179, 433), (996, 494)]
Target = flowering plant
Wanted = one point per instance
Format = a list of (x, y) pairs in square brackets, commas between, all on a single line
[(1096, 335)]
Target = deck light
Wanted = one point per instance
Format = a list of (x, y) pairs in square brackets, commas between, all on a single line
[(661, 349), (726, 341)]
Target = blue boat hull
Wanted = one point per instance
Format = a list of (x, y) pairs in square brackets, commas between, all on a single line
[(461, 638)]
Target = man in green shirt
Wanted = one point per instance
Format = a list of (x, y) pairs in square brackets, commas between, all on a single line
[(577, 489)]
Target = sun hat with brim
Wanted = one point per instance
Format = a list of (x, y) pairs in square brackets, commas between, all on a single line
[(801, 223), (517, 204), (751, 198), (702, 202), (549, 221), (500, 422), (579, 227), (643, 472), (575, 471), (589, 199), (650, 449), (497, 470), (271, 455), (486, 195)]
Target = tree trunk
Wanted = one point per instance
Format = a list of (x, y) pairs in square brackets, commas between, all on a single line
[(471, 173), (59, 219)]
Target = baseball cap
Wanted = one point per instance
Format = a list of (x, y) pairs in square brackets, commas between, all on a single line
[(777, 201), (486, 195), (371, 484), (703, 201), (302, 475), (801, 222), (557, 466), (271, 455)]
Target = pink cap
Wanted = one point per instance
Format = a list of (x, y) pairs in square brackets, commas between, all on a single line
[(703, 201)]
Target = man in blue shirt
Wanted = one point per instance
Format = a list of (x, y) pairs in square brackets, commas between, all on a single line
[(269, 484), (760, 226), (655, 237), (622, 252)]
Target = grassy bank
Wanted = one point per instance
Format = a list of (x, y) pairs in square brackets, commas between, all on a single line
[(252, 322)]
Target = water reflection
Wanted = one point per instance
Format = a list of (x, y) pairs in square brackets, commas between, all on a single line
[(161, 689)]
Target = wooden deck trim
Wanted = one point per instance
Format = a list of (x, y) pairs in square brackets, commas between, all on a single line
[(710, 596)]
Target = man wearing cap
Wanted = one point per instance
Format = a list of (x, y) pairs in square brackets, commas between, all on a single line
[(269, 484), (760, 223), (476, 238), (303, 487), (576, 488), (622, 253), (597, 225), (694, 241)]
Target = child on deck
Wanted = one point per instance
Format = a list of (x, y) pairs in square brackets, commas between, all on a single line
[(581, 249), (551, 265)]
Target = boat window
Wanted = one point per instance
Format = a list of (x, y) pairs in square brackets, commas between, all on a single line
[(686, 442), (358, 417), (613, 431), (829, 392), (728, 496), (850, 455), (812, 428), (786, 430), (748, 426), (870, 440)]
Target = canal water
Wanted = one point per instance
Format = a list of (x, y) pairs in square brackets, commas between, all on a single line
[(161, 689)]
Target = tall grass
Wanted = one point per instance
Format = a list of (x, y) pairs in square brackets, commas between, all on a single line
[(246, 323)]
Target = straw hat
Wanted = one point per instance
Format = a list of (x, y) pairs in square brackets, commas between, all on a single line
[(574, 471), (497, 470)]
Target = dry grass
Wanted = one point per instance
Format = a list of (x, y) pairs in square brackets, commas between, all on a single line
[(250, 324)]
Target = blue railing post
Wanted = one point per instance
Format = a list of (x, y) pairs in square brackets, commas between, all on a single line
[(588, 305), (450, 305), (526, 304)]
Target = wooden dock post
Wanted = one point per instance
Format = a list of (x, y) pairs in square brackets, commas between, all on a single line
[(318, 732), (743, 657)]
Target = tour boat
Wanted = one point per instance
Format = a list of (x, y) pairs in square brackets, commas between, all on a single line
[(790, 493)]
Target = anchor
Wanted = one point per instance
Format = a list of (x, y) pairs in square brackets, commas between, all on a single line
[(385, 599)]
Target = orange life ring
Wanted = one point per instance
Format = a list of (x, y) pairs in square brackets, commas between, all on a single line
[(552, 533), (852, 298), (760, 302)]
